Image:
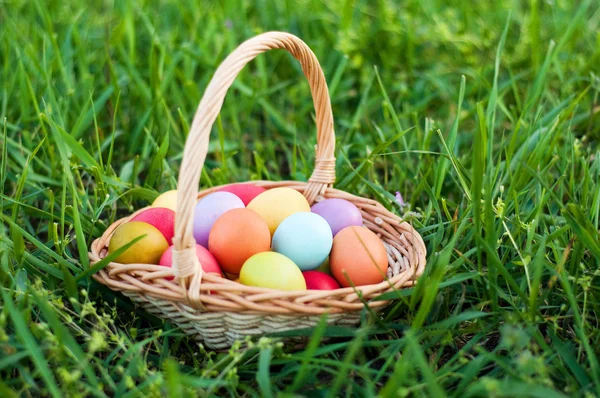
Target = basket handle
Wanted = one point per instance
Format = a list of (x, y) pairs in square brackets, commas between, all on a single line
[(185, 262)]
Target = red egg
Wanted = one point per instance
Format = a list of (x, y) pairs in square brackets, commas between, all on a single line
[(316, 280), (160, 218), (246, 192), (207, 260)]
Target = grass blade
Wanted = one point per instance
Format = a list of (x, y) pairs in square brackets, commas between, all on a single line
[(34, 350)]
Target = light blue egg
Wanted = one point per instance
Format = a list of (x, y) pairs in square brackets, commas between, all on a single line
[(305, 238)]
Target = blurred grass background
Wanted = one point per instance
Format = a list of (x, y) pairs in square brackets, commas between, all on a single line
[(484, 115)]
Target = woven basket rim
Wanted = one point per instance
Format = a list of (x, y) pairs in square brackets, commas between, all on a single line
[(221, 294)]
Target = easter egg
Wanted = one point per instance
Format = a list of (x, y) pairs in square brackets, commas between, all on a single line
[(236, 236), (316, 280), (246, 192), (272, 270), (167, 199), (358, 253), (147, 250), (208, 209), (207, 260), (304, 238), (161, 218), (339, 213), (276, 204)]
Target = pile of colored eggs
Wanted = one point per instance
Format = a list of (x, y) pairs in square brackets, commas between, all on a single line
[(264, 238)]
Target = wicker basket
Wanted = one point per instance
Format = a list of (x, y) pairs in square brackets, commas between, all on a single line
[(219, 311)]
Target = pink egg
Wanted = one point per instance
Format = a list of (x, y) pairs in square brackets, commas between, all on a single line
[(316, 280), (207, 260), (208, 209), (246, 192), (160, 218)]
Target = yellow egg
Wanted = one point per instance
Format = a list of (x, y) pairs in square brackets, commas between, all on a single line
[(167, 199), (147, 250), (272, 270), (276, 204)]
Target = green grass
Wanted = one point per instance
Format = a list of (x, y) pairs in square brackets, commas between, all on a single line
[(483, 114)]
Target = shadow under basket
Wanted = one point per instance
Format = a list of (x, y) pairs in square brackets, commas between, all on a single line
[(218, 311)]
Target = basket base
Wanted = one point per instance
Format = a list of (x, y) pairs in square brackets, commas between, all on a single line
[(219, 330)]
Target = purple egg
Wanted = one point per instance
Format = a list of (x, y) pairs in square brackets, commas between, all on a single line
[(208, 209), (339, 213)]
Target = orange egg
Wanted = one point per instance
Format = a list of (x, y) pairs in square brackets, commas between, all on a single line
[(359, 255), (236, 236)]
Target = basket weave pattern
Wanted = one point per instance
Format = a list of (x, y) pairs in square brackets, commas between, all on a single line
[(217, 310)]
